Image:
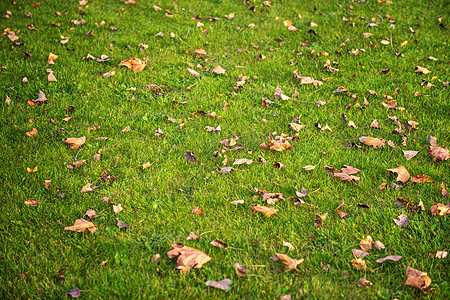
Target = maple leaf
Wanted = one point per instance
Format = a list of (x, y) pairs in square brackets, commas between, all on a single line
[(374, 142), (81, 225), (134, 64), (266, 211), (438, 153), (222, 284), (188, 257), (402, 173), (75, 143), (417, 279), (290, 263)]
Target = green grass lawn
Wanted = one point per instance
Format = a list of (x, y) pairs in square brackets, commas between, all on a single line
[(41, 260)]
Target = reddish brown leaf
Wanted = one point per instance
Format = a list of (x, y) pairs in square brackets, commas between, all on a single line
[(417, 279), (402, 173), (188, 257)]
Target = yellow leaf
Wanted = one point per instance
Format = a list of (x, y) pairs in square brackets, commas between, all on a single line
[(29, 170)]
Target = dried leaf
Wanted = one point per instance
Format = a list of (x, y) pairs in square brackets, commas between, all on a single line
[(193, 236), (47, 183), (432, 140), (272, 198), (379, 245), (346, 177), (440, 209), (444, 191), (75, 143), (390, 257), (190, 157), (309, 167), (366, 244), (218, 70), (421, 178), (349, 170), (438, 153), (241, 161), (134, 64), (32, 132), (91, 214), (279, 144), (402, 173), (109, 74), (81, 225), (188, 257), (410, 154), (31, 202), (87, 188), (75, 292), (223, 284), (121, 224), (374, 142), (421, 70), (364, 282), (241, 270), (225, 170), (117, 208), (219, 244), (266, 211), (51, 77), (193, 72), (417, 279), (29, 170), (296, 127), (359, 264), (341, 214), (402, 220), (359, 253), (289, 245), (439, 254), (290, 263)]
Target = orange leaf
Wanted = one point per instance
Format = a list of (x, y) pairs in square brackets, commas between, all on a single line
[(134, 64)]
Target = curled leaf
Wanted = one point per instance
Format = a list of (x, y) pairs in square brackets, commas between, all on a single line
[(402, 173), (417, 279), (188, 257)]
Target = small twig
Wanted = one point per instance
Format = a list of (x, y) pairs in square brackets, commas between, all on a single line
[(76, 156), (256, 266), (381, 18), (392, 46)]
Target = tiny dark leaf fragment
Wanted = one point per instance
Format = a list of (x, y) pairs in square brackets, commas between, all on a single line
[(190, 157)]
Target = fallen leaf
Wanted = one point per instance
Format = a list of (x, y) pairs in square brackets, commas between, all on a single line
[(109, 74), (188, 257), (340, 213), (91, 214), (272, 198), (290, 263), (364, 282), (218, 70), (134, 64), (440, 209), (81, 225), (346, 177), (352, 124), (241, 270), (266, 211), (198, 211), (444, 191), (75, 143), (309, 167), (193, 236), (421, 178), (47, 183), (146, 165), (190, 157), (219, 244), (297, 127), (32, 132), (421, 70), (359, 253), (238, 202), (390, 257), (438, 153), (359, 264), (229, 16), (349, 170), (117, 209), (374, 142), (289, 245), (241, 161), (366, 244), (51, 77), (87, 188), (417, 279), (121, 224), (223, 284), (303, 192), (432, 140), (29, 170), (379, 245), (75, 292), (279, 144), (31, 202), (402, 173), (193, 72), (410, 154), (402, 220), (439, 254)]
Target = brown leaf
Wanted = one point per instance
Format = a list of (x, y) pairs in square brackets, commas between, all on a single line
[(432, 140), (241, 161), (402, 173), (223, 284), (91, 214), (272, 198), (241, 270), (421, 178), (290, 263), (374, 142), (402, 220), (75, 143), (109, 74), (81, 225), (51, 77), (87, 188), (379, 245), (439, 254), (117, 208), (289, 245), (229, 16), (193, 72), (266, 211), (410, 154), (438, 153), (225, 170), (359, 253), (134, 64), (417, 279), (444, 191), (346, 177), (47, 183), (219, 244), (359, 264), (349, 170), (32, 132), (366, 244), (188, 257), (122, 224), (190, 157), (420, 69), (218, 70), (279, 144), (364, 282), (307, 80), (297, 127), (341, 214), (31, 202), (390, 257), (440, 209), (193, 236)]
